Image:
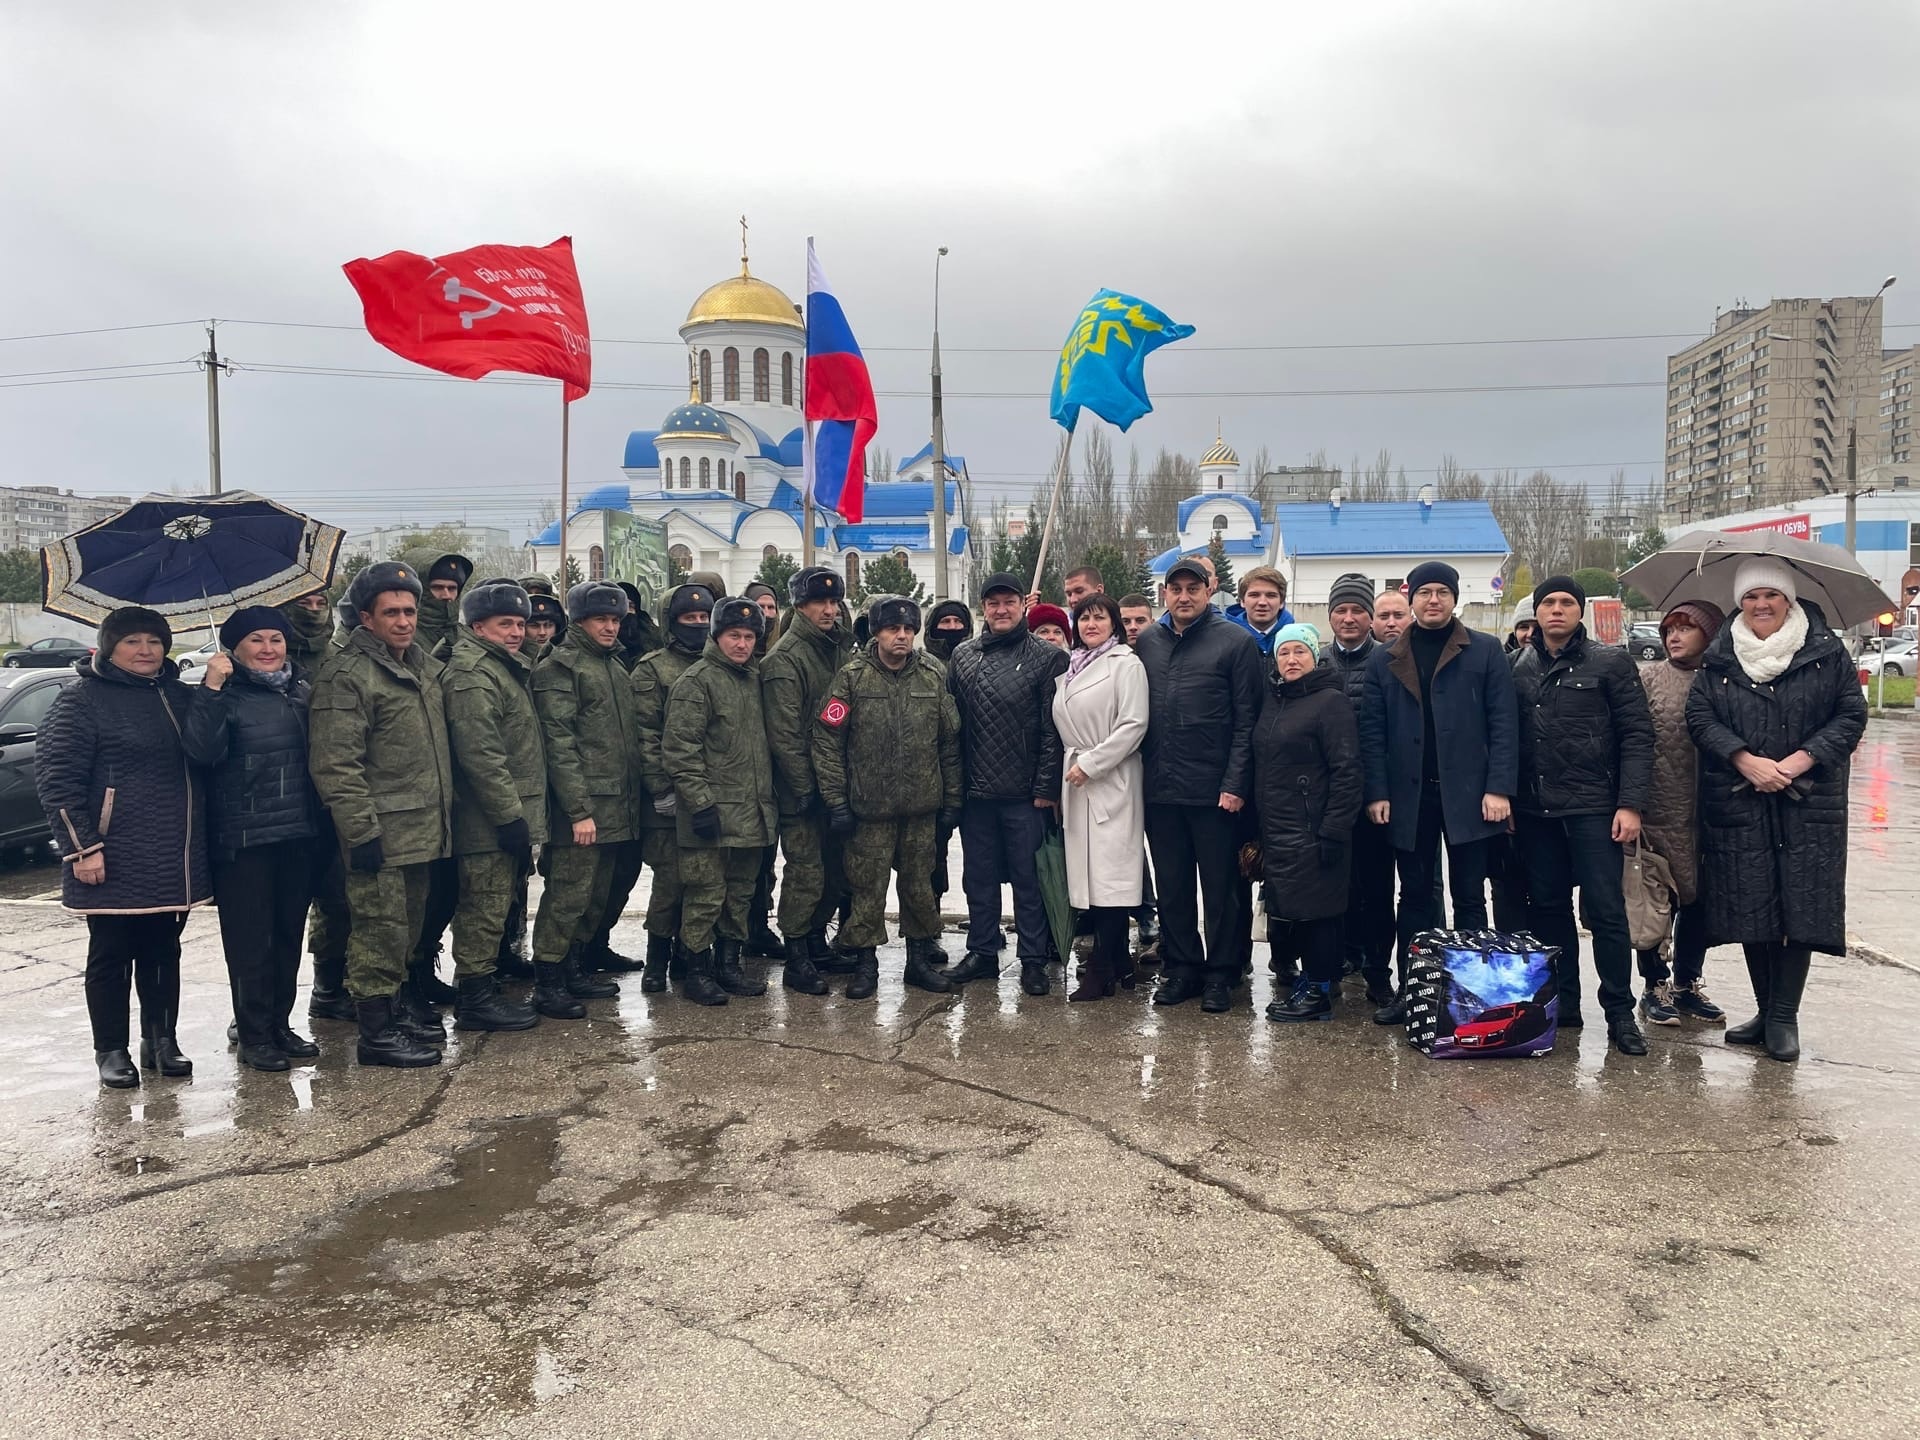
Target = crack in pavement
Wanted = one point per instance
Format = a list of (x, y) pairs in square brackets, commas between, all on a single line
[(1442, 1197), (716, 1330), (941, 1007), (1305, 1223), (933, 1411)]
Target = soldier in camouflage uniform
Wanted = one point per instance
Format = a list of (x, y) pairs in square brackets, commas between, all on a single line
[(585, 702), (714, 746), (793, 685), (440, 605), (886, 754), (499, 792), (380, 761), (309, 628), (684, 612)]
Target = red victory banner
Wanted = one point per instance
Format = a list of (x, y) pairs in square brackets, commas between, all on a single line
[(494, 307)]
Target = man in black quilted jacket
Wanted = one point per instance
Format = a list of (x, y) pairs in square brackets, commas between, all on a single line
[(1002, 682), (1204, 689)]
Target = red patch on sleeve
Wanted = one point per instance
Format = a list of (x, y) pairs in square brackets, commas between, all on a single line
[(835, 714)]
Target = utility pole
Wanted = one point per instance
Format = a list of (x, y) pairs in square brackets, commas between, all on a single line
[(939, 452), (211, 363)]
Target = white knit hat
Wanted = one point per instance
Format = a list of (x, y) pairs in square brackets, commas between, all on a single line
[(1523, 612), (1764, 572)]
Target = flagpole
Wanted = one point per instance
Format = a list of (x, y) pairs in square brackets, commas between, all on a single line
[(566, 425), (806, 456), (1053, 505)]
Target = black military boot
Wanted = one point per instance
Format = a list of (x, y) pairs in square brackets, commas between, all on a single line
[(659, 958), (583, 986), (417, 1018), (483, 1007), (1033, 977), (763, 941), (923, 971), (329, 999), (677, 963), (116, 1069), (727, 971), (928, 951), (603, 957), (159, 1051), (826, 959), (427, 985), (700, 986), (978, 965), (800, 973), (551, 997), (382, 1042), (866, 975)]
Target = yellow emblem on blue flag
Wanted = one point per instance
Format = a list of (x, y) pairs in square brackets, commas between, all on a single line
[(1103, 365)]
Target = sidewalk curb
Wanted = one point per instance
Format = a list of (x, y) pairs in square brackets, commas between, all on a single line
[(1874, 955)]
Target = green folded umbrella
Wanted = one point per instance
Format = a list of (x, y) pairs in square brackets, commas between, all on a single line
[(1050, 860)]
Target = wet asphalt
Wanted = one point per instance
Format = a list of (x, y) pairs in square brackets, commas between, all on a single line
[(974, 1215)]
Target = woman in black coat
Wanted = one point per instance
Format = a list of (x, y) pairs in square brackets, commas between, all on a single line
[(248, 727), (128, 813), (1306, 778), (1776, 711)]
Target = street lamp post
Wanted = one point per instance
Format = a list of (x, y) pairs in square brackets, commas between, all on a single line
[(939, 451)]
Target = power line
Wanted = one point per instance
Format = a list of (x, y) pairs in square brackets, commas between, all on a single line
[(187, 369), (101, 330)]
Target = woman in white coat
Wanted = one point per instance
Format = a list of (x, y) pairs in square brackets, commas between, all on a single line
[(1100, 710)]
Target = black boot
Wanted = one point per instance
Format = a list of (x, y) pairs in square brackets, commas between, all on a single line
[(978, 965), (1625, 1034), (1216, 993), (732, 978), (483, 1007), (763, 943), (264, 1057), (1033, 977), (826, 959), (1394, 1012), (295, 1046), (928, 951), (866, 975), (604, 957), (922, 972), (1788, 983), (428, 987), (659, 958), (800, 973), (159, 1051), (700, 985), (329, 999), (583, 986), (116, 1069), (1177, 987), (417, 1018), (1309, 1001), (1760, 974), (551, 997), (382, 1042), (676, 963)]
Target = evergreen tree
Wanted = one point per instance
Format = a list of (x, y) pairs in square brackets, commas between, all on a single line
[(1004, 557), (888, 575), (776, 570), (20, 577), (343, 574), (1222, 567), (574, 576), (1142, 573), (1117, 575)]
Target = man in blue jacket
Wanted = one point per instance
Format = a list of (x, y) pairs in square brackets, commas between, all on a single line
[(1262, 611), (1439, 742)]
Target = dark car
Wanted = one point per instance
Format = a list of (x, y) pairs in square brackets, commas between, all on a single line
[(1500, 1026), (1644, 642), (50, 654), (25, 698)]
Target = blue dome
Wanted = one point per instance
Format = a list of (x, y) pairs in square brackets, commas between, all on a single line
[(696, 420)]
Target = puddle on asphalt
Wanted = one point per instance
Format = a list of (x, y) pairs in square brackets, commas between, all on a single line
[(141, 1165), (1475, 1262), (901, 1212)]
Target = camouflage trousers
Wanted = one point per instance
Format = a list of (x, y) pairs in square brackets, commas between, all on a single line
[(877, 849), (489, 882), (716, 888), (662, 854), (579, 878), (814, 877), (387, 907)]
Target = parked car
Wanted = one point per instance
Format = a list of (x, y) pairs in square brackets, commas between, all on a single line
[(25, 698), (194, 662), (1501, 1025), (1899, 658), (52, 653), (1644, 642)]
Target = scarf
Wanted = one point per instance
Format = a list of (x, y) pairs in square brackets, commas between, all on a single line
[(1767, 659), (1083, 658), (274, 679)]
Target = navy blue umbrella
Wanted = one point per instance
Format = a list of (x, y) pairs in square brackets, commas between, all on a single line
[(189, 555)]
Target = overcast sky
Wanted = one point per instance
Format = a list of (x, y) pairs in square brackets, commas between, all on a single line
[(1285, 175)]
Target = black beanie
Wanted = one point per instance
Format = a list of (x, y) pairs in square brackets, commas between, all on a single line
[(132, 620), (494, 599), (1559, 585), (249, 618), (1433, 572), (457, 568), (595, 597)]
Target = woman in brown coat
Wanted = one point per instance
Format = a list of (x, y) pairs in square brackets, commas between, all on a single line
[(1671, 826)]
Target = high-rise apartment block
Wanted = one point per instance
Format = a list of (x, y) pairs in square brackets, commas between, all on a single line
[(36, 515), (1897, 447), (1758, 413)]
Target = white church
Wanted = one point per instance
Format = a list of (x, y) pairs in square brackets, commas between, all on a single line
[(728, 490)]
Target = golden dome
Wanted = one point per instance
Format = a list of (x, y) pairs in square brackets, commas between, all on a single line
[(1221, 453), (742, 297)]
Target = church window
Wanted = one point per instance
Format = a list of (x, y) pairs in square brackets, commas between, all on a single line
[(1219, 522), (767, 552), (682, 557), (853, 570), (596, 563), (739, 485), (730, 369), (706, 473), (706, 376), (686, 473), (762, 377), (786, 378)]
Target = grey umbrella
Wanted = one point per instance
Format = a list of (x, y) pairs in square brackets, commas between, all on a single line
[(1701, 564)]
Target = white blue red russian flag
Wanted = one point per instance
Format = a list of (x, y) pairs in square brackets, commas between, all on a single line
[(839, 402)]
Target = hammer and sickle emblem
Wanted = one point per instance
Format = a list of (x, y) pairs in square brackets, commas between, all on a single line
[(453, 292)]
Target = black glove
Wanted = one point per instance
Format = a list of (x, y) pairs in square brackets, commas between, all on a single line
[(706, 823), (948, 821), (841, 819), (1332, 853), (515, 838), (368, 858)]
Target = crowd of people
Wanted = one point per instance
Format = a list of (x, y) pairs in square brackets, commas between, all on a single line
[(383, 782)]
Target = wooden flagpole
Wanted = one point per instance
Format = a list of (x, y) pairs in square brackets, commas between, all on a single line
[(807, 466), (1053, 506)]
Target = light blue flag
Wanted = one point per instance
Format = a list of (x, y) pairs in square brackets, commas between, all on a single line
[(1103, 365)]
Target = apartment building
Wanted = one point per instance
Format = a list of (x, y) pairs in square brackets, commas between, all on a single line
[(1758, 412), (35, 515), (1897, 447)]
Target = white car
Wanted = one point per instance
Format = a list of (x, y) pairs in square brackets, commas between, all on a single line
[(1899, 658), (193, 664)]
